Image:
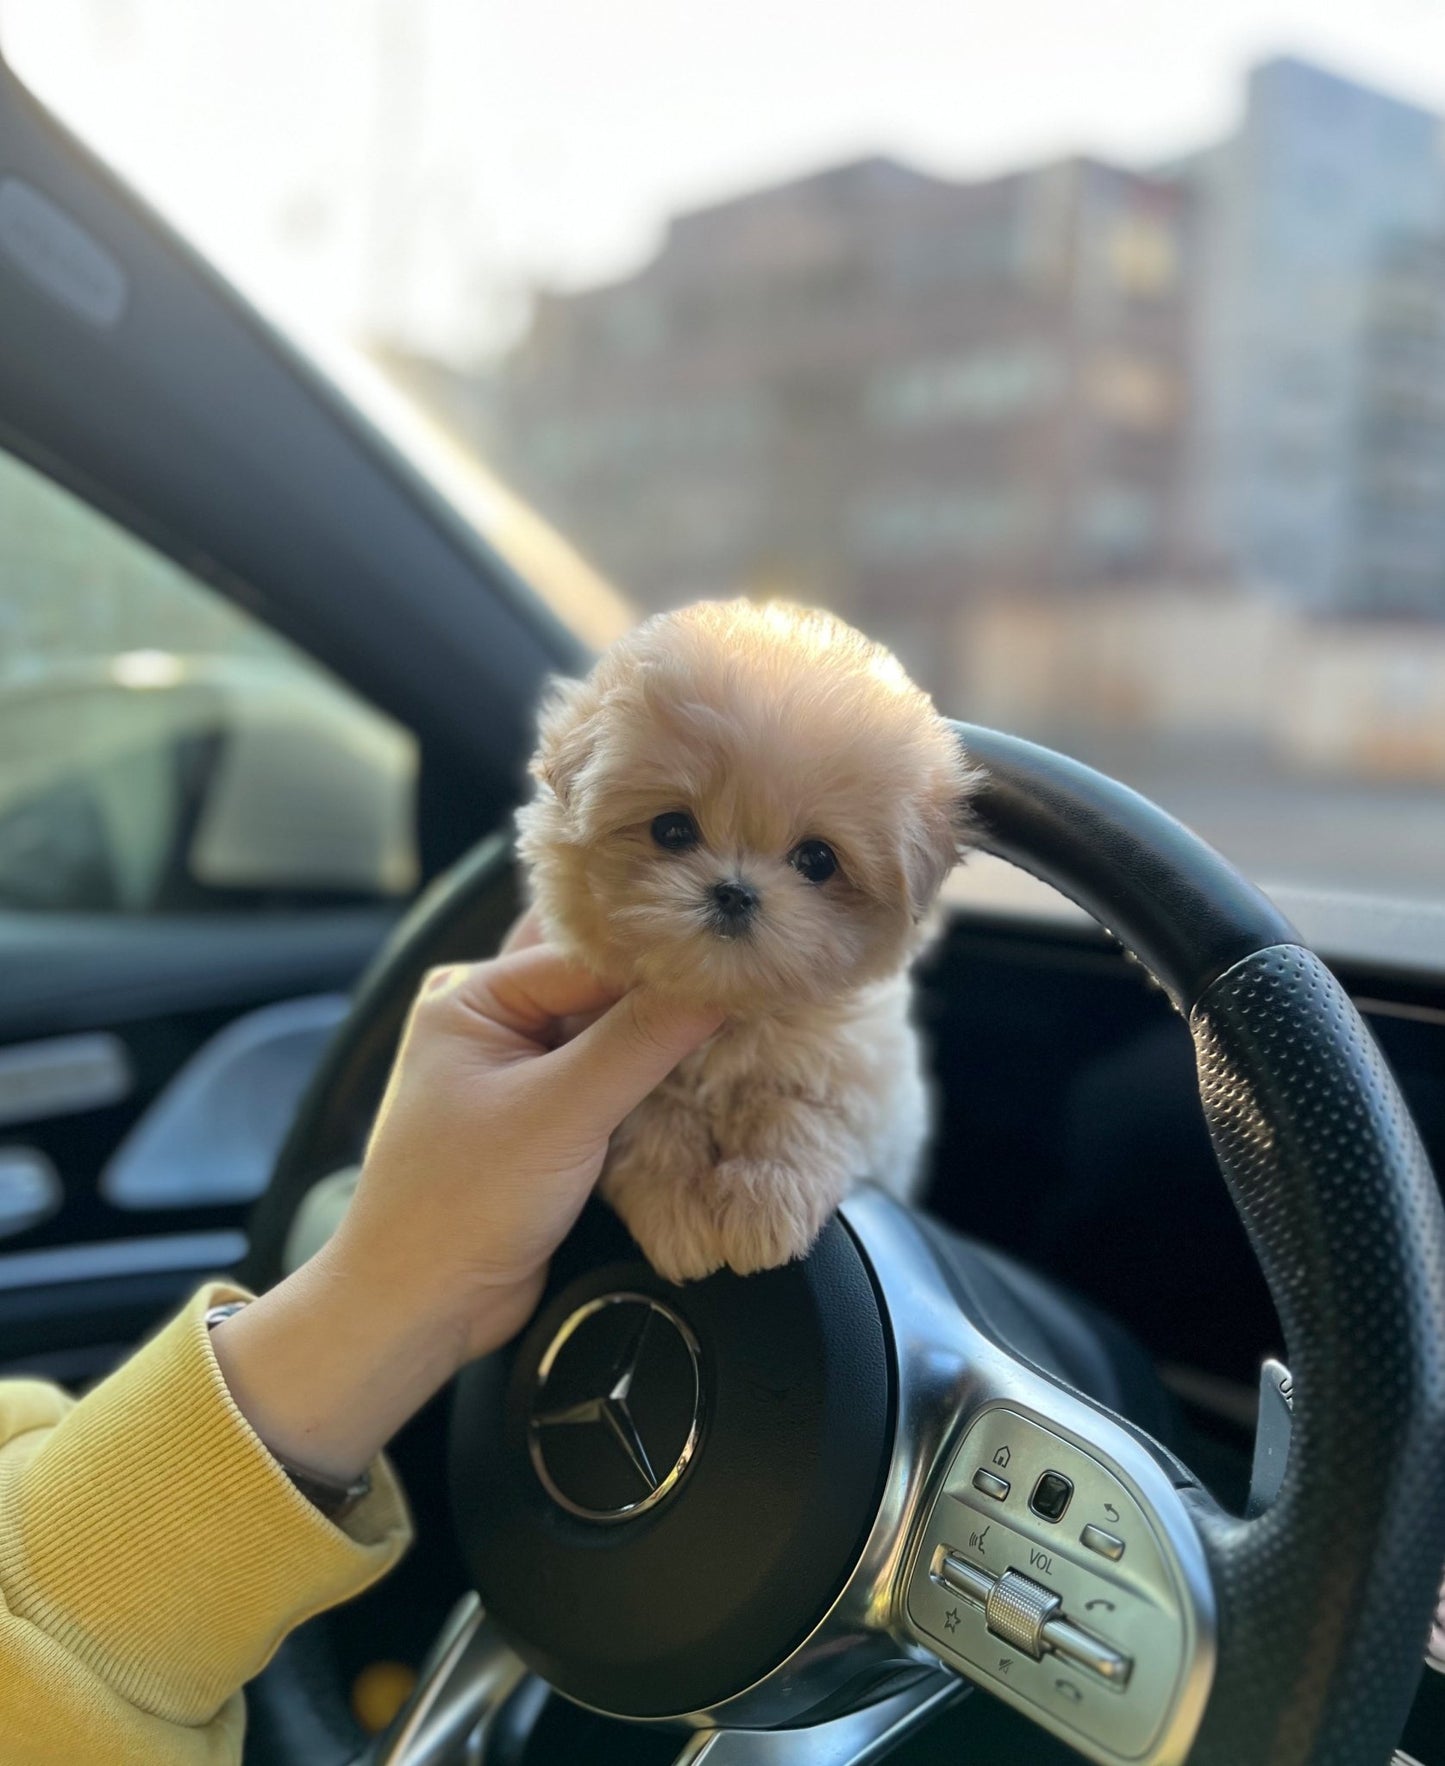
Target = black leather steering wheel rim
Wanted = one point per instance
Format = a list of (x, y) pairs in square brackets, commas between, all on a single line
[(1324, 1598), (462, 916)]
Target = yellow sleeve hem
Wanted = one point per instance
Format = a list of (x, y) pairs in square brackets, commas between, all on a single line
[(154, 1537)]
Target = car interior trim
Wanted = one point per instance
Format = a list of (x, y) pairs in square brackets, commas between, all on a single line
[(155, 1255), (61, 1075), (212, 1136)]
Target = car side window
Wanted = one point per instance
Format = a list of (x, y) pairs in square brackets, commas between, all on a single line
[(162, 751)]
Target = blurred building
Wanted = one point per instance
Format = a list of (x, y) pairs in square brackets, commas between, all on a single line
[(1396, 562), (1221, 681), (875, 389), (1112, 457), (1317, 448)]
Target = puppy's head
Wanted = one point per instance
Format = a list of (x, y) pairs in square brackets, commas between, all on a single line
[(748, 806)]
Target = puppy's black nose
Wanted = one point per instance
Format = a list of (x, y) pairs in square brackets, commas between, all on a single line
[(734, 904)]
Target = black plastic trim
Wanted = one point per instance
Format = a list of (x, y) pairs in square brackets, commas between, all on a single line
[(68, 972)]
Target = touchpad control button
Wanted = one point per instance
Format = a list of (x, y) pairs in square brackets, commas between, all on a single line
[(1051, 1496)]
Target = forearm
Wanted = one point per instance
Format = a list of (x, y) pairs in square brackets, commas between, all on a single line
[(328, 1365), (152, 1555), (55, 1712), (326, 1368)]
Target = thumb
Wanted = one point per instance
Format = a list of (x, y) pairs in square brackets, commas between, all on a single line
[(611, 1066)]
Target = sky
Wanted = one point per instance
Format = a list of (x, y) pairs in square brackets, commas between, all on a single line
[(413, 167)]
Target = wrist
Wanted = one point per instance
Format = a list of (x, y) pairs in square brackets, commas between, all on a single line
[(333, 1498), (326, 1368)]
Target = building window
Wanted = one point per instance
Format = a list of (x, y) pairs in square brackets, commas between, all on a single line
[(1120, 520), (978, 387), (1143, 257), (635, 323), (563, 447), (1131, 391), (913, 527)]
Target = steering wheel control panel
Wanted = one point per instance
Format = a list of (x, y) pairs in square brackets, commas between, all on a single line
[(1042, 1577)]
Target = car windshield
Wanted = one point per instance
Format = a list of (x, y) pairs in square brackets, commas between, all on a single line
[(1091, 356)]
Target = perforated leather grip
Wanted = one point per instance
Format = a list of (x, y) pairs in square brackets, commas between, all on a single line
[(1324, 1601)]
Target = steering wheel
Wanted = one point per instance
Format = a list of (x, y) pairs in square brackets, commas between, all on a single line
[(800, 1513)]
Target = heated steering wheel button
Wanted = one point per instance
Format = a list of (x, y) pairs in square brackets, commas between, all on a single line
[(990, 1484), (1107, 1546), (1051, 1496)]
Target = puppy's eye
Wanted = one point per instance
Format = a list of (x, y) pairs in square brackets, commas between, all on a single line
[(676, 831), (814, 860)]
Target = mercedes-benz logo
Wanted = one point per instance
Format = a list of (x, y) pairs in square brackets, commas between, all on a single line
[(616, 1408)]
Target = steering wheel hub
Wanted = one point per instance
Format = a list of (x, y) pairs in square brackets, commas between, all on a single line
[(660, 1491)]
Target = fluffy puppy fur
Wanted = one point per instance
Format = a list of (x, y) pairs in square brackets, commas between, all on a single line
[(684, 789)]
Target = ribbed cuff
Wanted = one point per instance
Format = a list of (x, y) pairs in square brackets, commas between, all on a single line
[(154, 1536)]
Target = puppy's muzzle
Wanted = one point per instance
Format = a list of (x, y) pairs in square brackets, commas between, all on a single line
[(732, 907)]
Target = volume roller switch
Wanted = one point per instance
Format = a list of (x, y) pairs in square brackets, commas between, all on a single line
[(1028, 1616), (1017, 1610)]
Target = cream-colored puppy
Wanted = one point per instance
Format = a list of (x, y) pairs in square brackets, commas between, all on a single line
[(752, 807)]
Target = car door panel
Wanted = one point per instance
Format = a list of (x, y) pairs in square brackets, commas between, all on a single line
[(161, 1001)]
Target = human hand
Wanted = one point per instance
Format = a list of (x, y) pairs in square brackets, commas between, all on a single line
[(510, 1077)]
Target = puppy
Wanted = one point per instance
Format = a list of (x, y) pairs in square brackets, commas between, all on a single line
[(753, 808)]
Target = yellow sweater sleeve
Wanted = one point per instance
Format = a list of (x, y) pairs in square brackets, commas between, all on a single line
[(152, 1557)]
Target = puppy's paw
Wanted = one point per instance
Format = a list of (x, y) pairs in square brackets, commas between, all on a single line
[(659, 1178), (691, 1216), (768, 1213), (667, 1201), (675, 1224)]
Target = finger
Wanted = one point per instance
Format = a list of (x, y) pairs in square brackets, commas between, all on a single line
[(609, 1068), (527, 991), (525, 932), (576, 1022)]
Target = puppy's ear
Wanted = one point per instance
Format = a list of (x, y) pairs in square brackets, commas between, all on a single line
[(936, 828), (565, 732)]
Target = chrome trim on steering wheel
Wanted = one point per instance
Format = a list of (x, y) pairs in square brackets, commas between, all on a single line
[(606, 1407), (948, 1375), (466, 1682), (850, 1740)]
